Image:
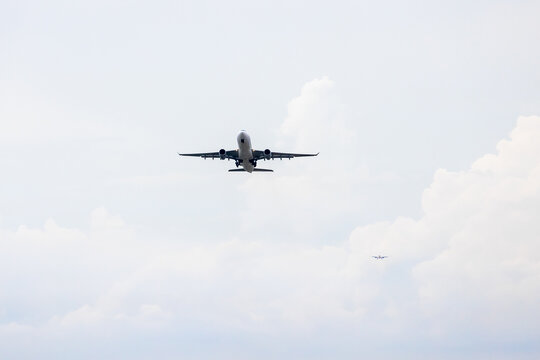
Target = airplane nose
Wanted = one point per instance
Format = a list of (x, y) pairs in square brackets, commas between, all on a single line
[(242, 137)]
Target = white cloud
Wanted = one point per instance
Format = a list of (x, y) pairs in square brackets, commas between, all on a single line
[(490, 267), (312, 191), (476, 249), (318, 119), (469, 265)]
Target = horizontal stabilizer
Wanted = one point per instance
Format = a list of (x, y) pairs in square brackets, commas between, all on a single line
[(267, 170)]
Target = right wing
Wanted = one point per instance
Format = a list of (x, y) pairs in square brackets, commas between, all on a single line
[(259, 154), (231, 154)]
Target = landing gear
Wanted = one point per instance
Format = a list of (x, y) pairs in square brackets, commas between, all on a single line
[(239, 162)]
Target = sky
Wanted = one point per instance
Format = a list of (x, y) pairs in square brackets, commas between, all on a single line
[(426, 115)]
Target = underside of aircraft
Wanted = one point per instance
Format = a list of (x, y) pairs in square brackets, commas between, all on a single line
[(245, 157)]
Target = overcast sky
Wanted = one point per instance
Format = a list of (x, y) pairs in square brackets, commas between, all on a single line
[(427, 119)]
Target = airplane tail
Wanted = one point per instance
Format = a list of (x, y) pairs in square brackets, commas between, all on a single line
[(256, 169)]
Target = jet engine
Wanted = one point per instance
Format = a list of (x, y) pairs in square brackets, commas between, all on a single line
[(267, 154), (222, 153)]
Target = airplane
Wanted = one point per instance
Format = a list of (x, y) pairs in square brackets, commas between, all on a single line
[(245, 156), (379, 257)]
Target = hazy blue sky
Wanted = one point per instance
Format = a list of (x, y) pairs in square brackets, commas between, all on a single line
[(426, 118)]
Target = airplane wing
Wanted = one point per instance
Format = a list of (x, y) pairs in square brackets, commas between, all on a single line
[(231, 154), (259, 154)]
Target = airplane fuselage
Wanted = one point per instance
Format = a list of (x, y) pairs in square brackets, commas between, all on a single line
[(245, 151)]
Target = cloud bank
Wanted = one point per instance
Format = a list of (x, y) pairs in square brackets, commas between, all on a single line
[(465, 275)]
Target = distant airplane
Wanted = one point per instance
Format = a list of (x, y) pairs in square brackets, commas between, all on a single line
[(379, 257), (246, 156)]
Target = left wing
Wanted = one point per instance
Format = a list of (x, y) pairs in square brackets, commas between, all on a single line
[(231, 154), (259, 154)]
